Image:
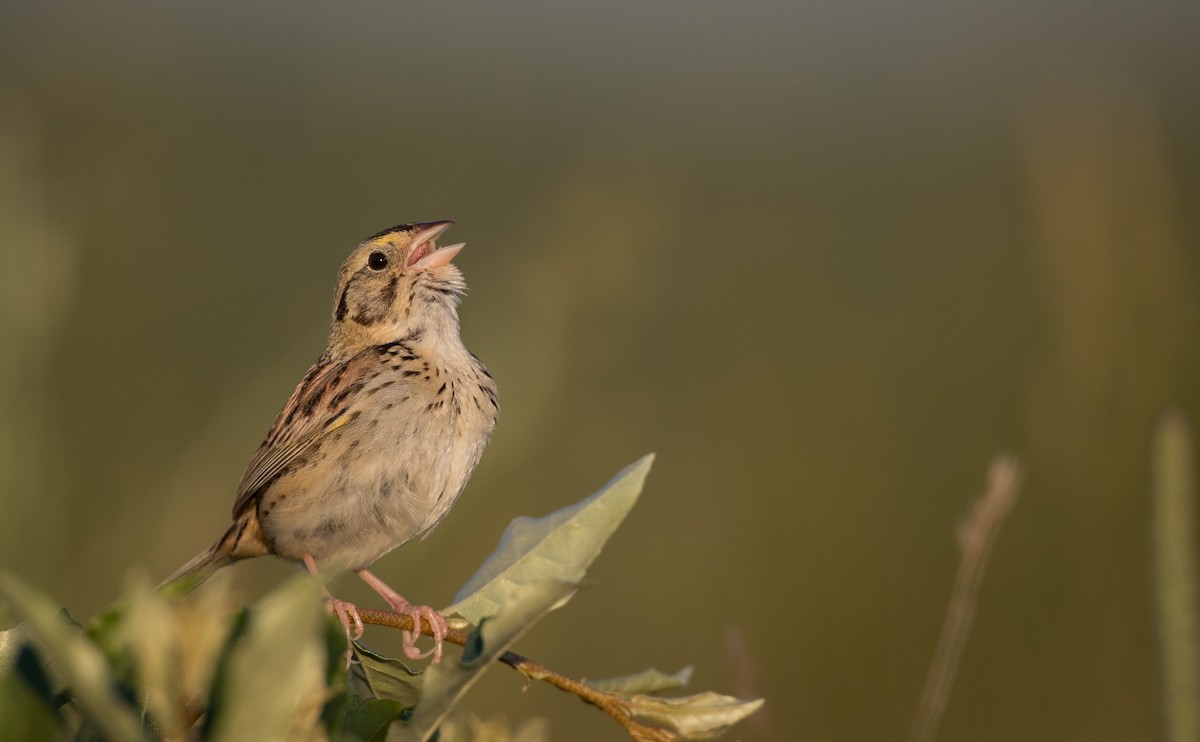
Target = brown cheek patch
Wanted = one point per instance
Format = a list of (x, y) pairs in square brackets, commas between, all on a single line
[(388, 295), (369, 313), (374, 308)]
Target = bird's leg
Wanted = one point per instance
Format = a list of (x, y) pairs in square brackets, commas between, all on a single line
[(437, 623), (347, 613)]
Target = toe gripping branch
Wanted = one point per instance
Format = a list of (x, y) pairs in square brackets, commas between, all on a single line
[(351, 620)]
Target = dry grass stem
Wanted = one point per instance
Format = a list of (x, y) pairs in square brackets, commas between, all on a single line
[(976, 536)]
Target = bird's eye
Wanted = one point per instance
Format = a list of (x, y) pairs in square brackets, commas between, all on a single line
[(377, 261)]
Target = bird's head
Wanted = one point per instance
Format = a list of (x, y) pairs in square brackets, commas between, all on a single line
[(397, 283)]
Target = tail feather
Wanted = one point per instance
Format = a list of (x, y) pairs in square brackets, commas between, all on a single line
[(244, 539), (199, 568)]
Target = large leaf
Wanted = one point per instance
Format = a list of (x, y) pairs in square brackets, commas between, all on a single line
[(25, 711), (368, 720), (447, 682), (79, 663), (701, 716), (28, 694), (377, 676), (558, 547), (273, 683), (12, 642)]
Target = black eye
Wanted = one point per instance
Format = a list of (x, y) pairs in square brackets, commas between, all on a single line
[(377, 261)]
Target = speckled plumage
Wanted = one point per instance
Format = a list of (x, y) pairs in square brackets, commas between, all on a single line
[(381, 435)]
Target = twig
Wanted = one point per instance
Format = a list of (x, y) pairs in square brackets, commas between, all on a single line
[(976, 536), (1173, 553), (609, 703)]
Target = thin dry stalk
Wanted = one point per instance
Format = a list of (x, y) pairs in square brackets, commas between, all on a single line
[(976, 536)]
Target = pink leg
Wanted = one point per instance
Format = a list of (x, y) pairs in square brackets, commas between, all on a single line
[(347, 613), (436, 622)]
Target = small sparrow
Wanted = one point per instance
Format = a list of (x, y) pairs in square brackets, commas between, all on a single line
[(379, 437)]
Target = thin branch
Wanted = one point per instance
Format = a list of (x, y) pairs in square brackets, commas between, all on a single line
[(976, 537), (611, 704)]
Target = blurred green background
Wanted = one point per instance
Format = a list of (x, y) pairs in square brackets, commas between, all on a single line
[(825, 259)]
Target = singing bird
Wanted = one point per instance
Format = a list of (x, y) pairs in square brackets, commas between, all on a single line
[(380, 436)]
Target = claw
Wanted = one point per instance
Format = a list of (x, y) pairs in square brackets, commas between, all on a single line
[(352, 623), (348, 616), (438, 627)]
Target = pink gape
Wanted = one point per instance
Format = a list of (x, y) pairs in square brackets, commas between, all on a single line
[(352, 622)]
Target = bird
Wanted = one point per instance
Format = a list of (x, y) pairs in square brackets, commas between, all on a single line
[(378, 439)]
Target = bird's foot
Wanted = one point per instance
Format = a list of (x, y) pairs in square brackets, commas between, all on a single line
[(438, 627), (348, 615), (352, 623)]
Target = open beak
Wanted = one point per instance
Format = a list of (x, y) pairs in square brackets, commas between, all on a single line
[(425, 253)]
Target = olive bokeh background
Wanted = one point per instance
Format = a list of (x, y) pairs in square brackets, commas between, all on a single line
[(825, 259)]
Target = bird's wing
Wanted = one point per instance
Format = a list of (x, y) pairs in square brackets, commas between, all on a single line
[(317, 407)]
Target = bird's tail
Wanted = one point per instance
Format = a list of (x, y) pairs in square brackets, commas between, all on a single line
[(242, 540), (200, 567)]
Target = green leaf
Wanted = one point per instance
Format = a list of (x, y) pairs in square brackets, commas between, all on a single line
[(447, 682), (150, 630), (701, 716), (336, 644), (646, 681), (12, 642), (79, 662), (104, 629), (337, 679), (377, 676), (216, 693), (30, 668), (1173, 543), (24, 712), (473, 650), (30, 696), (369, 720), (272, 685), (558, 547), (206, 619)]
